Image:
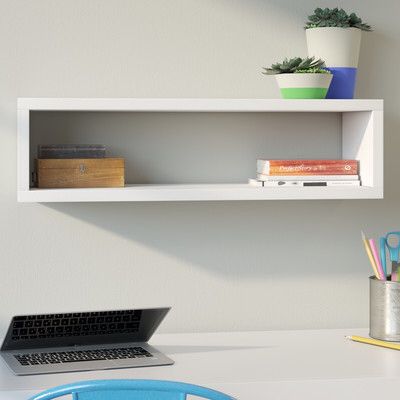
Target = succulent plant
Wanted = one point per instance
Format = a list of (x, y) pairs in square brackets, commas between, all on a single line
[(313, 71), (295, 65), (335, 17)]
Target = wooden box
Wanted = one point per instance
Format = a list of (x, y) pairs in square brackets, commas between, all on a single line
[(80, 173)]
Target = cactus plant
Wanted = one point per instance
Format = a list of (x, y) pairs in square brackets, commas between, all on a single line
[(335, 17)]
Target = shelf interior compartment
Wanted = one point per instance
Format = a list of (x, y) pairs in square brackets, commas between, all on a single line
[(192, 148)]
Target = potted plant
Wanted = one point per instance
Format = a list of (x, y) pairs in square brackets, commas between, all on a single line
[(300, 78), (335, 36)]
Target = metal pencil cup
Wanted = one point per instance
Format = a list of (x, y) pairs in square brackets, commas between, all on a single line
[(384, 309)]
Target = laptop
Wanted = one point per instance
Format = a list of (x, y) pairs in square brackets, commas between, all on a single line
[(83, 341)]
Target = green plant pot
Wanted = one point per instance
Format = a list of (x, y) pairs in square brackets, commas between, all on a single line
[(304, 86)]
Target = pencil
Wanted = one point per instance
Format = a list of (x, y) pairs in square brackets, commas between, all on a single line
[(375, 342), (370, 256), (376, 258)]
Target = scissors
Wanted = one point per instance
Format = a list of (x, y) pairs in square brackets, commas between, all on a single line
[(392, 242)]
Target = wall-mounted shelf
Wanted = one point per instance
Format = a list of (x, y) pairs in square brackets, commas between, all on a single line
[(361, 137)]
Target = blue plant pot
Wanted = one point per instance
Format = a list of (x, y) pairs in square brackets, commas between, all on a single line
[(343, 83), (339, 48)]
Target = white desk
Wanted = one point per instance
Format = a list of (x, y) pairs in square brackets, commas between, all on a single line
[(253, 365)]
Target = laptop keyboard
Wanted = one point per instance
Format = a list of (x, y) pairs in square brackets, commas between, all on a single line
[(81, 355), (75, 324)]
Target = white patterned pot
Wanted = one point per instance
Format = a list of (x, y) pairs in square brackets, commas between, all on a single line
[(304, 86), (340, 49)]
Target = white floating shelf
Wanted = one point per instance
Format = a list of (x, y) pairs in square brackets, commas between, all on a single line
[(198, 192), (198, 105), (362, 139)]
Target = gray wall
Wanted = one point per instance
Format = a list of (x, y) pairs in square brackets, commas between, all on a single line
[(222, 266)]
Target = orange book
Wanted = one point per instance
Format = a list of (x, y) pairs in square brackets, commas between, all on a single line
[(307, 167)]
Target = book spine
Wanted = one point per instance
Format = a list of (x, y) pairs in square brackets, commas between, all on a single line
[(307, 167), (255, 182), (263, 177), (310, 183)]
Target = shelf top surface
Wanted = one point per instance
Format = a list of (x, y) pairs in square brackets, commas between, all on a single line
[(198, 105)]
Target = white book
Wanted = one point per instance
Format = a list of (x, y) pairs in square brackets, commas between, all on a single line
[(263, 177), (255, 182)]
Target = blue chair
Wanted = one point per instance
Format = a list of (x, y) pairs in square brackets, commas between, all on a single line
[(125, 389)]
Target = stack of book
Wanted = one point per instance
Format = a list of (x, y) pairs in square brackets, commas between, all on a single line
[(284, 173)]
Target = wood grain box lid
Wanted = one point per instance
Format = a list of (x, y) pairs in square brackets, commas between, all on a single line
[(80, 173)]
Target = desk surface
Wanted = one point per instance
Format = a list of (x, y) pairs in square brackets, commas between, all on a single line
[(253, 365)]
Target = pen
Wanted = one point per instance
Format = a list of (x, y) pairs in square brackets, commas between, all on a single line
[(382, 247)]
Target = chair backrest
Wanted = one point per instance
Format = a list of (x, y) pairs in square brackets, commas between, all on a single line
[(130, 389)]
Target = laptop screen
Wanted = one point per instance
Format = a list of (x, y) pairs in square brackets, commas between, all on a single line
[(82, 328)]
